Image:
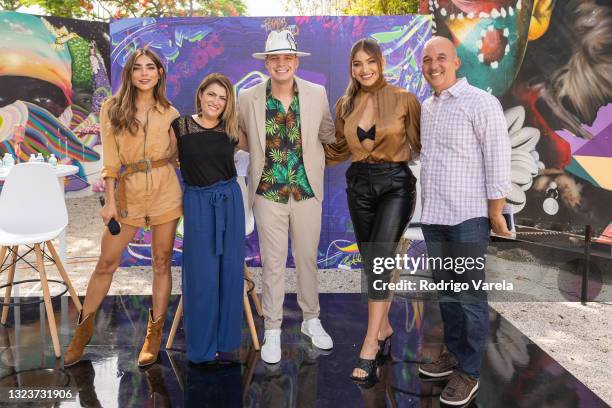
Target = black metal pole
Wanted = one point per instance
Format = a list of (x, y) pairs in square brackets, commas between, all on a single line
[(587, 266)]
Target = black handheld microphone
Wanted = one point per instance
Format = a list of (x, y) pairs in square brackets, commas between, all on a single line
[(113, 226)]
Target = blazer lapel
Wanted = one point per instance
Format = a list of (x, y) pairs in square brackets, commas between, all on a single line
[(259, 107), (304, 98)]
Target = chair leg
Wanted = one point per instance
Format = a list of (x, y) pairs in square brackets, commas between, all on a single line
[(404, 244), (249, 316), (177, 319), (9, 281), (62, 271), (256, 301), (47, 296), (3, 250), (250, 364)]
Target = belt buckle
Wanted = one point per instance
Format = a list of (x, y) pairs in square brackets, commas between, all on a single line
[(148, 165)]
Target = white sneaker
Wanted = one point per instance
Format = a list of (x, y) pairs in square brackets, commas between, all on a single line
[(313, 329), (271, 349)]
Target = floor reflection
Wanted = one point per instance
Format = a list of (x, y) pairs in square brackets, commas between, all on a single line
[(516, 372)]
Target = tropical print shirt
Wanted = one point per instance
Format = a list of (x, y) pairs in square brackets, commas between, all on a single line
[(284, 174)]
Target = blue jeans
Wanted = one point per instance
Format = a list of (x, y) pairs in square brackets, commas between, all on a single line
[(465, 314)]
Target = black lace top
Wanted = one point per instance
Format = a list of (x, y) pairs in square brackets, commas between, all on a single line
[(206, 155)]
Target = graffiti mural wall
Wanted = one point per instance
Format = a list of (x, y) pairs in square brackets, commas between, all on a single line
[(53, 78), (193, 47), (550, 64)]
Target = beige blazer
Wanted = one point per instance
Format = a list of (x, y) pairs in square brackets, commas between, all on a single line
[(317, 128)]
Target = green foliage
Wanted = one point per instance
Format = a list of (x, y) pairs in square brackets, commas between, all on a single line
[(381, 7), (271, 127), (272, 196), (293, 134), (352, 7), (291, 177), (280, 173), (105, 9), (13, 5), (278, 156), (292, 159), (302, 180), (268, 176), (173, 8), (274, 104)]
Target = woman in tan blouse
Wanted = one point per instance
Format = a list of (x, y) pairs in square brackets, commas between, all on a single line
[(377, 124), (137, 160)]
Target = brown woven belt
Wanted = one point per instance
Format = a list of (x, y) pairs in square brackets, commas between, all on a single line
[(144, 166)]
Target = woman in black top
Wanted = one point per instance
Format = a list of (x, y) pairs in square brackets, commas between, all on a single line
[(213, 238)]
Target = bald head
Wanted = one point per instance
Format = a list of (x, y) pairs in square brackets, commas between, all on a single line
[(440, 43), (440, 63)]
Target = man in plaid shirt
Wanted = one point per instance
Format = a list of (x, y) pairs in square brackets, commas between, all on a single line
[(465, 177)]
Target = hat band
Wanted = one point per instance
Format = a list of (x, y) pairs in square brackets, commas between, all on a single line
[(281, 49)]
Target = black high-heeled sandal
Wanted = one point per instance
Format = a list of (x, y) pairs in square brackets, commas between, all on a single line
[(384, 348), (369, 366)]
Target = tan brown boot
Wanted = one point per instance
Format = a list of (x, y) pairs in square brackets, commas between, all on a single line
[(82, 335), (152, 343)]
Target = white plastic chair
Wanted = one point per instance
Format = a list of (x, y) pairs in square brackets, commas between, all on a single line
[(242, 161), (33, 212), (248, 230), (241, 158)]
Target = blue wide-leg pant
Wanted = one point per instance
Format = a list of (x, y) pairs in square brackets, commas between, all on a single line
[(213, 258)]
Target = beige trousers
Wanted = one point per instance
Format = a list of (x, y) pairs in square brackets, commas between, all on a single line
[(302, 220)]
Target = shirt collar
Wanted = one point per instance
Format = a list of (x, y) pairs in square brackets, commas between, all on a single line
[(269, 87), (456, 89)]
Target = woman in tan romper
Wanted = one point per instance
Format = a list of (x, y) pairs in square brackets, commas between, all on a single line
[(142, 189)]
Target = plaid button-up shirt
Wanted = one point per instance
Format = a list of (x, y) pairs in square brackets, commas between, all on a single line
[(465, 159)]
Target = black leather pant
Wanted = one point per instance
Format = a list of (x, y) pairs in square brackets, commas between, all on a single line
[(381, 200)]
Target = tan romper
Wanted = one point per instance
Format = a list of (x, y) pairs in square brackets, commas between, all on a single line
[(153, 197)]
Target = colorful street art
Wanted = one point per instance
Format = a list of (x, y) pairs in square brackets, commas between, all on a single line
[(53, 79), (549, 62), (193, 47)]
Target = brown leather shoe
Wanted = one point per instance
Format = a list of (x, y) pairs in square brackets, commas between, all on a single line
[(459, 390), (443, 366), (152, 343), (84, 375), (82, 335), (156, 385)]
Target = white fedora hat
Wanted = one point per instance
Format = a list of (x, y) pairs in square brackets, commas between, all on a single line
[(280, 42)]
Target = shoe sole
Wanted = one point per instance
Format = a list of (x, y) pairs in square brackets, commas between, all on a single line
[(71, 364), (310, 337), (462, 402), (270, 362), (364, 380), (147, 364), (436, 375)]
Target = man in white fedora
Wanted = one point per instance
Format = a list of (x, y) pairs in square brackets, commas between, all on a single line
[(286, 120)]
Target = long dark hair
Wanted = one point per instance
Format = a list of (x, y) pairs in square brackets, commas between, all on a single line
[(122, 110), (370, 47)]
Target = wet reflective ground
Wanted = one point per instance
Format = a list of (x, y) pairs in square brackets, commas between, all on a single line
[(516, 372)]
